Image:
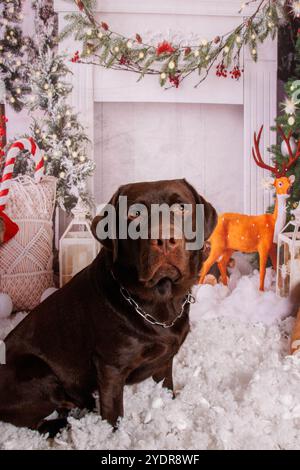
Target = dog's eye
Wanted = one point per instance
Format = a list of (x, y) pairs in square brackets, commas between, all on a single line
[(179, 207), (135, 211)]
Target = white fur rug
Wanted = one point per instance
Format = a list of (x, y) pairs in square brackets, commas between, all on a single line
[(236, 386)]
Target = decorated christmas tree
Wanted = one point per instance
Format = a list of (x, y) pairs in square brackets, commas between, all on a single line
[(16, 52), (57, 131), (288, 123)]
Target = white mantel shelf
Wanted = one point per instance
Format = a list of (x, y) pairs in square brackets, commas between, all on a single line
[(256, 91)]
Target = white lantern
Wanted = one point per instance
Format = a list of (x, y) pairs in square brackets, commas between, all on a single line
[(288, 257), (77, 247)]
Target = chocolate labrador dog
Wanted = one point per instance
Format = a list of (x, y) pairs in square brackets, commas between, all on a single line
[(119, 321)]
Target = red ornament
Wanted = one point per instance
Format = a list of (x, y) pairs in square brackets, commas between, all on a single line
[(138, 38), (175, 80), (236, 72), (221, 70), (124, 60), (104, 26), (164, 48), (75, 57), (187, 51)]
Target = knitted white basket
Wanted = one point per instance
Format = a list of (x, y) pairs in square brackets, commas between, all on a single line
[(26, 259)]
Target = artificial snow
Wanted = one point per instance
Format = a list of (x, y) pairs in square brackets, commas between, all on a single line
[(236, 386)]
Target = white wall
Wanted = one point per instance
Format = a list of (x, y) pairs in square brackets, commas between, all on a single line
[(150, 141)]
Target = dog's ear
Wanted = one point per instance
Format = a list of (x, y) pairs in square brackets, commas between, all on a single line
[(110, 241), (210, 214)]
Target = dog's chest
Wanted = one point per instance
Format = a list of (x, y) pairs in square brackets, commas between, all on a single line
[(154, 353)]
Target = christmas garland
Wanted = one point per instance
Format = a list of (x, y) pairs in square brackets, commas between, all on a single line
[(173, 63)]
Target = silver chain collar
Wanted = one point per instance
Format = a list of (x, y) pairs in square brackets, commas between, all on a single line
[(189, 299)]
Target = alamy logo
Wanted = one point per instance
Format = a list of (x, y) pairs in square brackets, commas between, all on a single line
[(178, 221), (2, 353)]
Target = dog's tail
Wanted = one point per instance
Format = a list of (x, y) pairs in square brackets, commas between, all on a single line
[(295, 300)]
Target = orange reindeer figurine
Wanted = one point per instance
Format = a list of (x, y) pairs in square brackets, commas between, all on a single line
[(253, 233)]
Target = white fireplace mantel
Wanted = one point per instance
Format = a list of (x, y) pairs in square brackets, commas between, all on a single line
[(158, 20)]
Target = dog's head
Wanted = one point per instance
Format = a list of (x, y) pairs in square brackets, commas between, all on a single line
[(147, 245)]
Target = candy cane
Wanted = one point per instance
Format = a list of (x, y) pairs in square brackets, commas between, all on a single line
[(22, 144)]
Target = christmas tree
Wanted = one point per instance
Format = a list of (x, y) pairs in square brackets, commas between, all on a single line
[(58, 132), (16, 52), (288, 123)]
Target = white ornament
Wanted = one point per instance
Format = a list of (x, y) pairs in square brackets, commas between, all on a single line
[(6, 305), (289, 106), (47, 293), (291, 120), (284, 147)]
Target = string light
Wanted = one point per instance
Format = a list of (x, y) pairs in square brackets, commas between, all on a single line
[(204, 42), (62, 174), (82, 158), (171, 65), (254, 51), (89, 32), (116, 49), (163, 75), (68, 143), (141, 55), (12, 99), (253, 36), (238, 39), (129, 44), (226, 49), (18, 90), (46, 86), (196, 53), (100, 35)]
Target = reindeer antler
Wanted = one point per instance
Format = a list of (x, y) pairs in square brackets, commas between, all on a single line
[(275, 169), (292, 158), (257, 156)]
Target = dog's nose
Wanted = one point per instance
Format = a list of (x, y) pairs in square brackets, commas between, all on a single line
[(166, 245)]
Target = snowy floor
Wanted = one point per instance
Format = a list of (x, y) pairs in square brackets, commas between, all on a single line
[(236, 386)]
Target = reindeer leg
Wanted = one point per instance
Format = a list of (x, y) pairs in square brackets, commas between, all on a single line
[(273, 255), (222, 265), (263, 258), (213, 256)]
